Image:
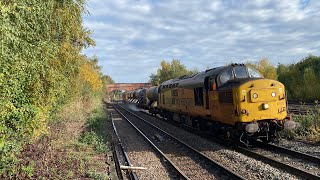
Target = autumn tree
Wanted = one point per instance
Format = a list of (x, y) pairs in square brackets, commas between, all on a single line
[(265, 68), (41, 68), (169, 71)]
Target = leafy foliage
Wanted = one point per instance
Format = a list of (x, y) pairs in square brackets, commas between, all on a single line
[(265, 68), (41, 68), (90, 76), (301, 79), (169, 71), (107, 79), (308, 129)]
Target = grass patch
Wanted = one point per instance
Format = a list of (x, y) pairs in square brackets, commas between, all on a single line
[(95, 132), (96, 175)]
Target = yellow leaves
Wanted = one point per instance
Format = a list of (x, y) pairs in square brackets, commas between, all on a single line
[(265, 68), (91, 76), (2, 142), (39, 123), (67, 50), (165, 65), (169, 70), (42, 68), (4, 8)]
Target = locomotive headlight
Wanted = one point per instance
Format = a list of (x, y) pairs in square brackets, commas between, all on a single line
[(255, 95), (265, 106), (273, 94)]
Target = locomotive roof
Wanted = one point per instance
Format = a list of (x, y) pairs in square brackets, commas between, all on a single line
[(197, 78)]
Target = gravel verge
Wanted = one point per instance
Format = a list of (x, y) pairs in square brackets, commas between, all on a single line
[(140, 153), (311, 149), (193, 165), (292, 161), (247, 167)]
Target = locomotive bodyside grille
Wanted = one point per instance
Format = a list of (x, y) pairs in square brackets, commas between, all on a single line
[(226, 97)]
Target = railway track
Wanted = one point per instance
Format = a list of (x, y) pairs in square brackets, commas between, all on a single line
[(302, 109), (309, 148), (191, 163), (173, 173), (120, 155), (297, 163), (294, 162)]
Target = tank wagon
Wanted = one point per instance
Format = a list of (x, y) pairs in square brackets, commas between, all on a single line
[(233, 100), (152, 96), (142, 98), (125, 96)]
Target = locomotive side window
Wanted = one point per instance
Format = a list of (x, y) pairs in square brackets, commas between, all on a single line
[(253, 73), (163, 100), (226, 76), (174, 92), (198, 96), (240, 72), (213, 84)]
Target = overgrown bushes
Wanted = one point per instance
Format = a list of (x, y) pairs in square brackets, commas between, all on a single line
[(308, 127), (301, 79), (41, 68)]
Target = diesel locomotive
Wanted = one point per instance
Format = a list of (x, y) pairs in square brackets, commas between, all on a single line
[(233, 100)]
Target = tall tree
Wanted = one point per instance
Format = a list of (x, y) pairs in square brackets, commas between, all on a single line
[(169, 71), (301, 79), (265, 68), (41, 65), (154, 79)]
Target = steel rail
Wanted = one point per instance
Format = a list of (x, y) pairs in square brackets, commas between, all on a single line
[(182, 175), (304, 156), (278, 164), (131, 174), (224, 169)]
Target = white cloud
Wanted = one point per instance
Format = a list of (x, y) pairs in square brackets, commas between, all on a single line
[(134, 36)]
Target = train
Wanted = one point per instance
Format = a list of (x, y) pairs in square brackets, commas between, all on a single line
[(235, 101)]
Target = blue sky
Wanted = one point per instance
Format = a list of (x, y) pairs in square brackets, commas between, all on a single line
[(133, 36)]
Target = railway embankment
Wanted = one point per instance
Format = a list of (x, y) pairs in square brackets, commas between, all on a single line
[(75, 146)]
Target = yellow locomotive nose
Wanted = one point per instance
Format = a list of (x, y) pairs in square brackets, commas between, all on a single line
[(263, 98)]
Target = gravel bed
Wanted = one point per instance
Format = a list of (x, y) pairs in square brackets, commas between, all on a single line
[(141, 154), (292, 161), (245, 166), (189, 162), (311, 149)]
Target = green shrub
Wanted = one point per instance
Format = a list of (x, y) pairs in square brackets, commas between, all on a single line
[(28, 170), (41, 68), (95, 175), (308, 127)]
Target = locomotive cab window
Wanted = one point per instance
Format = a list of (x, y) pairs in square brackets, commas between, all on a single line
[(240, 72), (226, 76), (253, 73)]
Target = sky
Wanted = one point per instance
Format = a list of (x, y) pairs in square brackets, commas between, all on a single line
[(133, 36)]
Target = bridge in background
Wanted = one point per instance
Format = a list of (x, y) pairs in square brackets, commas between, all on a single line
[(126, 86)]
